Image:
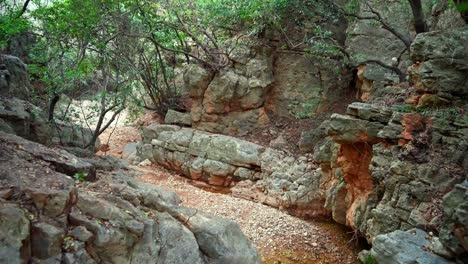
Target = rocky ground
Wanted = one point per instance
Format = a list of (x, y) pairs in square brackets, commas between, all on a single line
[(280, 238)]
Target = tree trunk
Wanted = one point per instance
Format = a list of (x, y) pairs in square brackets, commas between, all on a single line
[(418, 16), (53, 102)]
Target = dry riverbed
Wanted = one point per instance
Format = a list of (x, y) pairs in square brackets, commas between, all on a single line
[(280, 238)]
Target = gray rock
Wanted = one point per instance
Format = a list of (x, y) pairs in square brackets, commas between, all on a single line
[(13, 231), (309, 139), (46, 240), (151, 132), (25, 119), (455, 222), (442, 66), (64, 162), (219, 239), (412, 246), (178, 118), (349, 129), (178, 244), (129, 151), (14, 78), (72, 135), (81, 233)]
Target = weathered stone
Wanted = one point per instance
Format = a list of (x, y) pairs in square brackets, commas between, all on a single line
[(440, 59), (349, 129), (152, 131), (178, 244), (221, 240), (81, 233), (178, 118), (14, 78), (234, 151), (46, 240), (303, 85), (105, 225), (370, 112), (217, 168), (14, 234), (453, 232), (25, 119), (73, 135), (309, 139), (404, 247)]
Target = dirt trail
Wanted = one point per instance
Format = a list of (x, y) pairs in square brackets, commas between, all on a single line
[(279, 237)]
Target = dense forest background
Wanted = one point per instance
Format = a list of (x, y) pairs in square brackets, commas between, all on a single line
[(128, 54)]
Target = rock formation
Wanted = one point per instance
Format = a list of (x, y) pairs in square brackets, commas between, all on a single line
[(377, 169), (47, 217)]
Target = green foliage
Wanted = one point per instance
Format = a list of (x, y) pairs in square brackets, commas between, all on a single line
[(403, 108), (370, 260), (81, 176), (352, 6), (462, 7), (11, 23)]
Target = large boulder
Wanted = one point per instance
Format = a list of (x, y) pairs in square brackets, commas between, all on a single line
[(303, 84), (14, 233), (388, 171), (230, 101), (24, 119), (441, 63), (410, 247), (178, 118), (454, 228), (14, 77)]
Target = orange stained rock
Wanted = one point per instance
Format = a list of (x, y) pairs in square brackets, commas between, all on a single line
[(354, 159), (412, 123)]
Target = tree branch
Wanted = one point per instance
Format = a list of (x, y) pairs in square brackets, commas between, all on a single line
[(24, 9)]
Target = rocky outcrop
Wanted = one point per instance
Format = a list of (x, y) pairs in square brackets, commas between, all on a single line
[(14, 77), (391, 171), (303, 85), (440, 67), (231, 101), (412, 246), (47, 217), (24, 119), (178, 118), (261, 81), (367, 39), (253, 172)]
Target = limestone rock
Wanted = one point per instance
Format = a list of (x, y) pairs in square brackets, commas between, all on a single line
[(440, 62), (112, 221), (178, 118), (231, 101), (14, 232), (454, 228), (14, 78), (407, 247), (309, 139), (24, 119), (46, 240)]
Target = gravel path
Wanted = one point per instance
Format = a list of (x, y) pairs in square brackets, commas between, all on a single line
[(280, 238)]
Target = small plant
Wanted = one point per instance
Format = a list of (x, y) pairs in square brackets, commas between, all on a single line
[(370, 260), (81, 176), (68, 243)]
